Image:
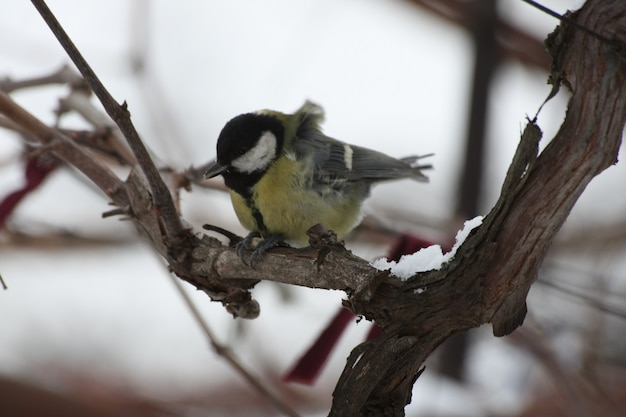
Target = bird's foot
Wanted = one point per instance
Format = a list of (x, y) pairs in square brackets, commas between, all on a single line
[(246, 243), (263, 246)]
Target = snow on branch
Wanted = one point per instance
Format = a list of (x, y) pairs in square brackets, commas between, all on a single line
[(488, 279)]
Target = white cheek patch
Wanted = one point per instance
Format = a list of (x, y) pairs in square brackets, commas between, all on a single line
[(347, 156), (259, 157)]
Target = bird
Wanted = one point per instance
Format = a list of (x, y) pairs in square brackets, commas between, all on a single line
[(284, 176)]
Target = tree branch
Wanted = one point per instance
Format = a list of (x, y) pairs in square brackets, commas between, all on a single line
[(64, 148), (490, 276), (161, 196), (513, 43)]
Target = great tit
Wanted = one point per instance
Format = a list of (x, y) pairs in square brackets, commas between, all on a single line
[(285, 176)]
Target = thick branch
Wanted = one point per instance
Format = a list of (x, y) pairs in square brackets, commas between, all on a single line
[(492, 272)]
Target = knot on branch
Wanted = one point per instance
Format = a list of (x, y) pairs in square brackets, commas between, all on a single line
[(324, 241), (237, 301), (192, 259)]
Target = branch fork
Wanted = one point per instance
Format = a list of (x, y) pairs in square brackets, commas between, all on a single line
[(487, 281)]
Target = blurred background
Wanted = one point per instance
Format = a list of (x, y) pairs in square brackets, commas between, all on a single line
[(91, 320)]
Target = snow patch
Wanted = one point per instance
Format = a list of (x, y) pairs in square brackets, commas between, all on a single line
[(428, 258)]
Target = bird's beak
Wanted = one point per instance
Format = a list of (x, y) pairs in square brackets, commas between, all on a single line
[(215, 170)]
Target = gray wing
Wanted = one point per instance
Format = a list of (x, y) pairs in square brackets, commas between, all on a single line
[(334, 160)]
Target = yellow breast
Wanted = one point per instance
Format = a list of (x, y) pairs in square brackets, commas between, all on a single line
[(288, 206)]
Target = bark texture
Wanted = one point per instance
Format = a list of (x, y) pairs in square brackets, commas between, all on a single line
[(488, 280)]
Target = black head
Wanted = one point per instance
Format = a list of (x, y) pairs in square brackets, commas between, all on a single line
[(246, 147)]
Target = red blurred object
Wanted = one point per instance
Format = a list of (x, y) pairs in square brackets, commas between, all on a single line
[(309, 366), (35, 172)]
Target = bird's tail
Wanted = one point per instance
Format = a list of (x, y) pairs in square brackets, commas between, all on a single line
[(417, 167)]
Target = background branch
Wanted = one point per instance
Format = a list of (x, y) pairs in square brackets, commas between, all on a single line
[(64, 148), (228, 355), (121, 116), (486, 282)]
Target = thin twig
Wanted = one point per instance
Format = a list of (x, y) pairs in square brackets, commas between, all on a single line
[(225, 352), (63, 75), (64, 148), (565, 382), (587, 299), (7, 123), (161, 196), (570, 21), (80, 102), (489, 278), (77, 100), (513, 43)]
